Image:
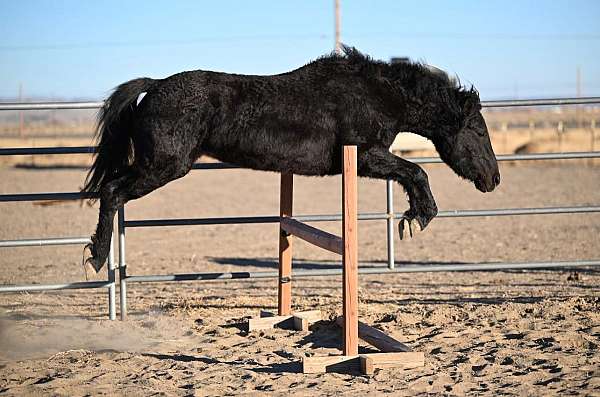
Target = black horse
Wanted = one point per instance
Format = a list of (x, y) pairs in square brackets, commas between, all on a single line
[(293, 122)]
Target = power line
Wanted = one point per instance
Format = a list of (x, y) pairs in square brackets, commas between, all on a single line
[(309, 36), (160, 43)]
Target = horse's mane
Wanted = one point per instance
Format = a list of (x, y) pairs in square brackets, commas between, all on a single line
[(408, 72)]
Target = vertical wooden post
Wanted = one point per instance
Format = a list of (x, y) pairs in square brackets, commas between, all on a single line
[(286, 198), (350, 257)]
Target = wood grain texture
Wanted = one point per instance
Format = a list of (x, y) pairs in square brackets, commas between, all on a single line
[(317, 365), (260, 323), (377, 338), (311, 315), (298, 321), (303, 319), (370, 362), (320, 238), (286, 198), (350, 254)]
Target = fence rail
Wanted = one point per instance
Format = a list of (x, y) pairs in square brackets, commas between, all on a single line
[(485, 104), (40, 242), (365, 268), (219, 166), (361, 217), (370, 268)]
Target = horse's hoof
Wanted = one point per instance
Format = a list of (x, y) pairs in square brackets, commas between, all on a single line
[(404, 229), (415, 227), (408, 228), (91, 260), (94, 263)]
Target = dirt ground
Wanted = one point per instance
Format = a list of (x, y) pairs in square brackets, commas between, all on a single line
[(483, 333)]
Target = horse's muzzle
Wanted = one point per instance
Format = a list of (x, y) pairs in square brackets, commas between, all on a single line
[(485, 185)]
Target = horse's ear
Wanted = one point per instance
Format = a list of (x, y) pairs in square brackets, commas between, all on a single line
[(469, 101)]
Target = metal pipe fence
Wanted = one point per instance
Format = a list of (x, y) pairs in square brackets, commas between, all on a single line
[(365, 268), (109, 284), (44, 242), (368, 268), (485, 104)]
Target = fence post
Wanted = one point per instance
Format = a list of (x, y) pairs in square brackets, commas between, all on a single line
[(122, 264), (350, 257), (560, 129), (504, 129), (531, 130), (593, 139), (389, 190), (286, 199), (111, 279), (593, 127)]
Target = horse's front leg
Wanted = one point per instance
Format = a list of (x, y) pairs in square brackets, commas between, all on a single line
[(380, 163)]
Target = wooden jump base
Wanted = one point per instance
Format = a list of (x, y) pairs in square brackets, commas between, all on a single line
[(394, 353)]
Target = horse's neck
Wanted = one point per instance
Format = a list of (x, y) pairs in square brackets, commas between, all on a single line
[(424, 119)]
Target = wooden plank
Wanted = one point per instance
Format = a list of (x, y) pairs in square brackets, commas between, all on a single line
[(370, 362), (255, 324), (377, 338), (268, 320), (300, 323), (318, 237), (266, 313), (350, 253), (311, 315), (318, 365), (303, 319), (286, 198)]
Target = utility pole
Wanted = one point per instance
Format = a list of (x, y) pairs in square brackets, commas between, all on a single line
[(338, 28)]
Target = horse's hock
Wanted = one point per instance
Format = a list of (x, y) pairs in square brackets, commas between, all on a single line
[(393, 353)]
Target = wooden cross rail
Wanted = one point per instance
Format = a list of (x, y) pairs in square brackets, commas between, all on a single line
[(395, 353), (298, 321), (377, 338), (313, 235)]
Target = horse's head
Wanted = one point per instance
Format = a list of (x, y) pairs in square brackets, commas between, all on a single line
[(466, 146)]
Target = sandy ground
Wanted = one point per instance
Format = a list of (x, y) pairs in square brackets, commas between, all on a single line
[(483, 333)]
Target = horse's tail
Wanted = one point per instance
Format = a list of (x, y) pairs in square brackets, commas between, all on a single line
[(113, 134)]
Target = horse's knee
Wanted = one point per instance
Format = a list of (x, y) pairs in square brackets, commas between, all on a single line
[(420, 177)]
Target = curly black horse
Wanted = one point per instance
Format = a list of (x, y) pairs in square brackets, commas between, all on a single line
[(294, 122)]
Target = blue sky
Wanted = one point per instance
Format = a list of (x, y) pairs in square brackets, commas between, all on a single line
[(82, 49)]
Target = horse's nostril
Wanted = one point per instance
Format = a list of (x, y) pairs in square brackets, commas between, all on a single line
[(497, 179)]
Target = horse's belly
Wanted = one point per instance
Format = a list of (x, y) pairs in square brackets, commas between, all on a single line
[(277, 152)]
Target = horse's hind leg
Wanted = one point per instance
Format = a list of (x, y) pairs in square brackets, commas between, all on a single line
[(163, 153), (100, 245), (134, 184)]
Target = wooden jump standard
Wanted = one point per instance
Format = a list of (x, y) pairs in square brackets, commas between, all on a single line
[(394, 353)]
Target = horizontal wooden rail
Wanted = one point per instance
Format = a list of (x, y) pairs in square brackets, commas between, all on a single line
[(318, 237)]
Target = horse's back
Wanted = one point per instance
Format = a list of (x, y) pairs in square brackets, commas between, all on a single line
[(272, 123)]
